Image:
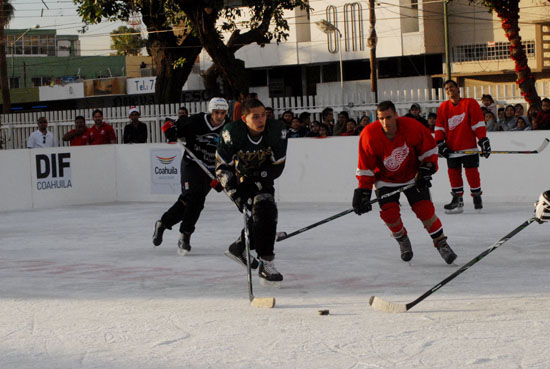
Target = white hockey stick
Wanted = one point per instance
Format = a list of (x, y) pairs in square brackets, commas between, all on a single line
[(537, 151), (380, 304)]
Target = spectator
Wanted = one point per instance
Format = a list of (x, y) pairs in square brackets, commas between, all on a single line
[(101, 133), (287, 118), (414, 112), (500, 114), (523, 124), (305, 122), (351, 126), (363, 122), (295, 128), (532, 113), (41, 137), (340, 125), (314, 132), (135, 131), (488, 103), (543, 117), (183, 112), (324, 130), (509, 122), (327, 117), (269, 112), (80, 135), (237, 107), (432, 118), (519, 111), (490, 121)]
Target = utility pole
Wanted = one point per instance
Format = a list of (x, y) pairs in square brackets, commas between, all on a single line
[(373, 39), (447, 43), (4, 85)]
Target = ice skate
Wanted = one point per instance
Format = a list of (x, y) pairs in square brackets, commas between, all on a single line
[(456, 205), (405, 247), (184, 243), (157, 234), (478, 204), (238, 253), (269, 276), (445, 250)]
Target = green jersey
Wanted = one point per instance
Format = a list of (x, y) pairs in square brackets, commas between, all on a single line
[(262, 158)]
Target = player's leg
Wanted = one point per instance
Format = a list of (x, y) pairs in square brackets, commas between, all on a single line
[(391, 215), (423, 207), (471, 165), (457, 186)]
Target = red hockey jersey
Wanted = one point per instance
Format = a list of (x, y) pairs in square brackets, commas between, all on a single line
[(460, 124), (392, 163)]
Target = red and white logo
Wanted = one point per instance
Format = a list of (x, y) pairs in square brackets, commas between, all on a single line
[(455, 121), (397, 157)]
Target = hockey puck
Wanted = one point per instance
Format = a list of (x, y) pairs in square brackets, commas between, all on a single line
[(324, 312)]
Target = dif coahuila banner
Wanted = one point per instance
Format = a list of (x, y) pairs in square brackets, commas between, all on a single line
[(165, 171)]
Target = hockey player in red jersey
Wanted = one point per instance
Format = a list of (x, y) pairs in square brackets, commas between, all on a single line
[(459, 123), (394, 152)]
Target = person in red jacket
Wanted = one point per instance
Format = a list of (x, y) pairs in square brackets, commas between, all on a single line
[(101, 133), (459, 124), (395, 152), (79, 136)]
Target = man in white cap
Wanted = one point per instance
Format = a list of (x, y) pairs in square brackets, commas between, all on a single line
[(135, 131), (201, 134)]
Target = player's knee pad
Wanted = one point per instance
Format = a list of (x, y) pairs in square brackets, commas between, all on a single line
[(424, 210), (455, 177), (193, 200), (391, 215), (264, 209)]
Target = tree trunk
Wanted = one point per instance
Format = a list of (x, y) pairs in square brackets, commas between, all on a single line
[(165, 51), (525, 79), (4, 85)]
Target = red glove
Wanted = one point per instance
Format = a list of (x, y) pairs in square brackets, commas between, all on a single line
[(167, 125), (216, 185)]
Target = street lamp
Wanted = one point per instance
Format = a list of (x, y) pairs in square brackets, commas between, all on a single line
[(327, 27), (13, 47)]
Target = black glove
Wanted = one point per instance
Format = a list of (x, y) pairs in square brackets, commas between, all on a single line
[(443, 149), (361, 201), (485, 146), (424, 175), (242, 201)]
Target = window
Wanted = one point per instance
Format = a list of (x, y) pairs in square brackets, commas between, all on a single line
[(488, 51), (14, 82)]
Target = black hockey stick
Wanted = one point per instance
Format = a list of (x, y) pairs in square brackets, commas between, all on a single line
[(283, 235), (268, 302), (382, 305), (537, 151)]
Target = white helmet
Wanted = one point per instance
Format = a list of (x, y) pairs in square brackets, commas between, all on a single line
[(217, 103)]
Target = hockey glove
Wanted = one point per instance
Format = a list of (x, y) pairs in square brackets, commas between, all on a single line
[(361, 201), (170, 130), (542, 207), (424, 176), (443, 149), (243, 202), (485, 146), (216, 185)]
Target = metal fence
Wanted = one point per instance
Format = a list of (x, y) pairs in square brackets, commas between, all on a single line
[(17, 127)]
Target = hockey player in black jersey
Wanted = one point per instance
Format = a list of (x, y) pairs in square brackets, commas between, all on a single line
[(201, 135), (251, 154)]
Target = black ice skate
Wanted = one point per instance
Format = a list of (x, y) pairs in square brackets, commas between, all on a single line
[(157, 235), (405, 247), (269, 276), (445, 250), (478, 204), (238, 253), (184, 243), (455, 206)]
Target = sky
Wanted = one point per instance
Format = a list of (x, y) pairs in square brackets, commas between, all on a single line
[(62, 15)]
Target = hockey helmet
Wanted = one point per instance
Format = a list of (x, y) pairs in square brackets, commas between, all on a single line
[(217, 103)]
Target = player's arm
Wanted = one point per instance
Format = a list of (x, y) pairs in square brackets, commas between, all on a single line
[(439, 133), (274, 168), (477, 122), (365, 174), (427, 156)]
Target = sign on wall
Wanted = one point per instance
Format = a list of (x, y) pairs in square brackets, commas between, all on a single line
[(142, 85), (165, 171), (53, 171)]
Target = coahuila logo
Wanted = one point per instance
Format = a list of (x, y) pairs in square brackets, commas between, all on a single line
[(165, 168), (54, 171)]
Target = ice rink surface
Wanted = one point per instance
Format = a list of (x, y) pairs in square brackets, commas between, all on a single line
[(82, 287)]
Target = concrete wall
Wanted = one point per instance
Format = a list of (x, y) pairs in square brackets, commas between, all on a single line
[(317, 170)]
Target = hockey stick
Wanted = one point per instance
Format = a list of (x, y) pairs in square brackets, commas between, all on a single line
[(382, 305), (537, 151), (283, 235), (268, 302)]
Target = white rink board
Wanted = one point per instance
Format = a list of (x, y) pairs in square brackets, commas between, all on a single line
[(317, 171)]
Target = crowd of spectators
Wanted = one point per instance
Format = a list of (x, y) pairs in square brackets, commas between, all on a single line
[(513, 117)]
